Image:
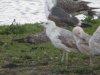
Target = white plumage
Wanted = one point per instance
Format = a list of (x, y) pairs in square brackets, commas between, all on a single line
[(60, 38), (83, 42)]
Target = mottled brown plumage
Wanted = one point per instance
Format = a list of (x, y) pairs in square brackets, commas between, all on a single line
[(64, 11), (37, 38), (67, 39)]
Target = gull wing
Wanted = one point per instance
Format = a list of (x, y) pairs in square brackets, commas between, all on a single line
[(67, 39)]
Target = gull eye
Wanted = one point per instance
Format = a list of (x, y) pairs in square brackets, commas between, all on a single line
[(42, 22)]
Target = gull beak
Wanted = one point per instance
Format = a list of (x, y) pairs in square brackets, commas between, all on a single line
[(42, 23)]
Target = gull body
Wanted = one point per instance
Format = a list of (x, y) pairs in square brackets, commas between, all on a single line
[(60, 38), (82, 42), (58, 15)]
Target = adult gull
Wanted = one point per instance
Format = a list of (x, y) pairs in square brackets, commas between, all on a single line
[(60, 38)]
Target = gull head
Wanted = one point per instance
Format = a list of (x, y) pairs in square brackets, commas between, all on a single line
[(78, 32), (48, 24)]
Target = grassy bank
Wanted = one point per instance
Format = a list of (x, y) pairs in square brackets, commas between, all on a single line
[(42, 59)]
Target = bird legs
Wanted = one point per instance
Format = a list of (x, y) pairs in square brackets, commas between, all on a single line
[(91, 61), (64, 57)]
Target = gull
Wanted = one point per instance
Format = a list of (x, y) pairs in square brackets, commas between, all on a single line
[(60, 16), (37, 38), (73, 6), (60, 38), (82, 42), (62, 12)]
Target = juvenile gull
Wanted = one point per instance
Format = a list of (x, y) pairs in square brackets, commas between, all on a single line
[(59, 16), (63, 12), (60, 38), (37, 38), (82, 42)]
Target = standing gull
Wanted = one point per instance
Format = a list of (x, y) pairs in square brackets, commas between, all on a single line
[(82, 42), (60, 38)]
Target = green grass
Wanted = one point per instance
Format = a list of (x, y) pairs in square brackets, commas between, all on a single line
[(80, 70), (93, 23), (20, 29), (42, 58)]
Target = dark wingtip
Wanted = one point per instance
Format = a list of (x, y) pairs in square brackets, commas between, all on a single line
[(94, 8), (85, 2)]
